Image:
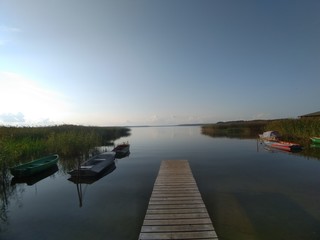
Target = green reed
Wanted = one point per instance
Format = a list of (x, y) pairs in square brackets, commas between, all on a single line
[(296, 128), (235, 129), (26, 143)]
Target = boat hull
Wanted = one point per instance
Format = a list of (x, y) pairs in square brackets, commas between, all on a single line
[(122, 150), (94, 166), (315, 140), (285, 146), (34, 167), (30, 180), (92, 179)]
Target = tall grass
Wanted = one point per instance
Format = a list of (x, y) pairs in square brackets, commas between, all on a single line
[(301, 129), (26, 143), (235, 129), (296, 128), (72, 142)]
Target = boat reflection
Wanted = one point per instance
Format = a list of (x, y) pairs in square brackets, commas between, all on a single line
[(308, 151), (315, 145), (122, 155), (276, 150), (35, 178), (79, 180)]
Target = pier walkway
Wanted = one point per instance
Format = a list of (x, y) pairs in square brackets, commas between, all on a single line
[(176, 209)]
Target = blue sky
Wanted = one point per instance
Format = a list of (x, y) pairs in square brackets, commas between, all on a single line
[(155, 62)]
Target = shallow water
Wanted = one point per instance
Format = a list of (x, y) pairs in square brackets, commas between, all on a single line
[(250, 193)]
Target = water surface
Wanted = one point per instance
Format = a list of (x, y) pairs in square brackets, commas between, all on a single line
[(250, 193)]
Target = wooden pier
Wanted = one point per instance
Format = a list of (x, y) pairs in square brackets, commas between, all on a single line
[(176, 209)]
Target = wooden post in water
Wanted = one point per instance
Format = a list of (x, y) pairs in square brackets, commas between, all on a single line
[(176, 209)]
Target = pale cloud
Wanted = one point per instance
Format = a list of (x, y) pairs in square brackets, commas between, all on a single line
[(9, 29), (262, 116), (29, 99), (7, 32), (157, 119), (9, 118)]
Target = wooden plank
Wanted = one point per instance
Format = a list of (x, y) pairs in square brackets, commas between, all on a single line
[(177, 228), (174, 194), (177, 216), (180, 235), (160, 222), (175, 206), (172, 202), (176, 209), (176, 198)]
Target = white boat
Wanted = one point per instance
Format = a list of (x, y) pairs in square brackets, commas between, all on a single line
[(270, 136)]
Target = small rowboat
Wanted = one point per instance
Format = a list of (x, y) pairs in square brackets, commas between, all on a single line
[(122, 150), (285, 146), (269, 136), (35, 166), (94, 166), (272, 140), (30, 180), (315, 140), (90, 180)]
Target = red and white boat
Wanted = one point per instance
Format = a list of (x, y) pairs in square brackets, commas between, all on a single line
[(271, 139), (281, 145)]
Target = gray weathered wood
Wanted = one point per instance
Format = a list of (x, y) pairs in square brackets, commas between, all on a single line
[(176, 209)]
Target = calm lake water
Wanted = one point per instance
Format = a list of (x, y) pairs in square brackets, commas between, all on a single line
[(250, 193)]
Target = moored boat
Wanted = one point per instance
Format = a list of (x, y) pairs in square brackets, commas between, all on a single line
[(286, 146), (94, 165), (269, 136), (89, 180), (272, 140), (122, 149), (30, 180), (34, 167), (315, 140)]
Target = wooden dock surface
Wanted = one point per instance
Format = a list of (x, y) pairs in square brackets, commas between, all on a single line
[(176, 209)]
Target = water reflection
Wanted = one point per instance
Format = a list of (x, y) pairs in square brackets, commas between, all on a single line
[(263, 147), (72, 162), (315, 145), (80, 181), (248, 191), (266, 209), (120, 155), (12, 189), (35, 178), (5, 194), (308, 149)]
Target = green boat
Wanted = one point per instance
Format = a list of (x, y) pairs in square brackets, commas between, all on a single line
[(315, 140), (35, 166)]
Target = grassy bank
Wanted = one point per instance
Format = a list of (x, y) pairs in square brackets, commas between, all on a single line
[(235, 129), (25, 143), (290, 129), (301, 129)]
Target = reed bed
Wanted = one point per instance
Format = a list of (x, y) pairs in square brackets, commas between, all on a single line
[(301, 129), (296, 128), (20, 144), (235, 129)]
